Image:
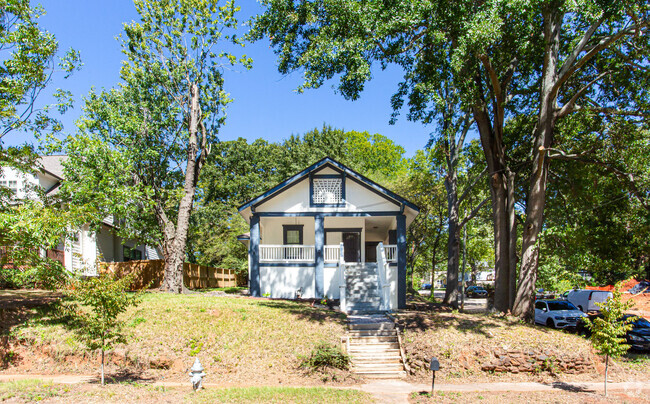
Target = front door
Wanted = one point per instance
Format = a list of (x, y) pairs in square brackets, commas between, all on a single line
[(352, 247)]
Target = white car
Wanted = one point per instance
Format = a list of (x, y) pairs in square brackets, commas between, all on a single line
[(557, 313)]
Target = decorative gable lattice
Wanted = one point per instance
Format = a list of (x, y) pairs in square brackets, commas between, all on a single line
[(328, 191)]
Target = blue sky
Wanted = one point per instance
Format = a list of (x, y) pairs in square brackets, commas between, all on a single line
[(265, 103)]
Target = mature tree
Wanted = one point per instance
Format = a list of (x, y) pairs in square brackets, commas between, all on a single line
[(142, 145), (593, 58), (537, 58), (423, 185)]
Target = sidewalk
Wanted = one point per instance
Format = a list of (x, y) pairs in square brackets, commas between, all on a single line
[(391, 391)]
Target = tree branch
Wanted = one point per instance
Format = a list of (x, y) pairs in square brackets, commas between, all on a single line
[(569, 106), (471, 185), (473, 213), (602, 44), (580, 46)]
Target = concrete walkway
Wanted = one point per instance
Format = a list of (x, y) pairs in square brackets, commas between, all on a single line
[(392, 391)]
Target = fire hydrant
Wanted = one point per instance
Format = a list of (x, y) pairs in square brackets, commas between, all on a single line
[(197, 375)]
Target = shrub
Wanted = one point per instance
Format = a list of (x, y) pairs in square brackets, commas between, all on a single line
[(326, 355)]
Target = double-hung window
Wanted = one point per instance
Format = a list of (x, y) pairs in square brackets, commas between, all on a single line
[(292, 236)]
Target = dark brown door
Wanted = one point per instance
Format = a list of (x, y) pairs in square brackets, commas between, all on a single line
[(352, 247), (371, 251)]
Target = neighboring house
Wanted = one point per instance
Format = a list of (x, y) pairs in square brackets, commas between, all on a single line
[(329, 232), (80, 253)]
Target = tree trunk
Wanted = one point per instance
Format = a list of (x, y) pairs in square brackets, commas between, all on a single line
[(606, 370), (512, 236), (453, 243), (543, 138), (494, 155), (102, 366), (175, 237)]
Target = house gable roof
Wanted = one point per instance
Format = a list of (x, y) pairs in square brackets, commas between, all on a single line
[(328, 161)]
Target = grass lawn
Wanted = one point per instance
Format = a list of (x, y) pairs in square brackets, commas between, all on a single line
[(36, 390), (256, 341)]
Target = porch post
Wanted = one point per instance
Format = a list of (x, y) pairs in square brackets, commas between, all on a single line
[(254, 256), (319, 250), (401, 261)]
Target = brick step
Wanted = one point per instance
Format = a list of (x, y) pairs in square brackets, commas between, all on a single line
[(377, 366), (372, 333), (377, 348), (377, 360), (371, 326), (373, 374), (373, 339)]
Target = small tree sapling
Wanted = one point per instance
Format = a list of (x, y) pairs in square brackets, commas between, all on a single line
[(99, 301), (607, 332)]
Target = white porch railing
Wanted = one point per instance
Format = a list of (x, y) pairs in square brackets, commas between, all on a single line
[(342, 300), (287, 253), (391, 252), (332, 253), (382, 272)]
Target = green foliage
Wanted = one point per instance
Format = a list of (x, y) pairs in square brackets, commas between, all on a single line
[(607, 332), (143, 144), (97, 305), (99, 301), (25, 229), (598, 220), (27, 55), (326, 355)]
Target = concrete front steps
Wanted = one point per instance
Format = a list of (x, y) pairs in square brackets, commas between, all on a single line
[(373, 347), (361, 288)]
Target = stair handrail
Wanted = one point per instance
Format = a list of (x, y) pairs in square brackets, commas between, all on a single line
[(342, 301), (384, 285)]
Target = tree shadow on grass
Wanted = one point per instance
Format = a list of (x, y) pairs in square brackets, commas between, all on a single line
[(124, 376), (305, 311), (17, 307), (480, 324)]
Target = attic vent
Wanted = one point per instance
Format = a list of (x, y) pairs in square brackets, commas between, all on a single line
[(328, 191)]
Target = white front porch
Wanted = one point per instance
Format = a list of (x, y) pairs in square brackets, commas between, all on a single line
[(277, 253)]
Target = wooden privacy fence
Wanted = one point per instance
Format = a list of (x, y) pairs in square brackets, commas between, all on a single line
[(153, 272)]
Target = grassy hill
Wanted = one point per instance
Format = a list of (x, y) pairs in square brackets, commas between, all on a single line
[(237, 339)]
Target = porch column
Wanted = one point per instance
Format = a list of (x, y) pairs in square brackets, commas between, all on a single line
[(254, 256), (401, 261), (319, 251)]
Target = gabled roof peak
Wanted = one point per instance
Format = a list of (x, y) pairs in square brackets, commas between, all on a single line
[(322, 163)]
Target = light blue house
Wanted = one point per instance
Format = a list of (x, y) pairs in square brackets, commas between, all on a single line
[(328, 231)]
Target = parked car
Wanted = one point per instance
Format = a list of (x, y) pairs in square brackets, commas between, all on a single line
[(637, 338), (544, 294), (557, 313), (476, 291), (585, 300), (426, 286)]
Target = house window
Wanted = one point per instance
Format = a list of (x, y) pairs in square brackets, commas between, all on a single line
[(292, 234), (131, 254), (11, 184), (327, 190)]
